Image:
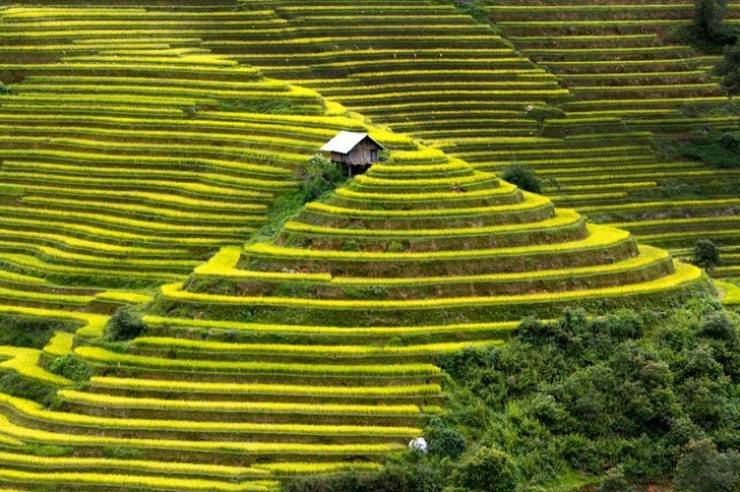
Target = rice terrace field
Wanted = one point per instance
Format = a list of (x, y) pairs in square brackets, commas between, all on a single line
[(530, 283)]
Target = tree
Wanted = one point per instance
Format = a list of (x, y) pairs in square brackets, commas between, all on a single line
[(708, 18), (702, 468), (488, 470), (706, 254), (729, 70), (321, 175), (125, 324), (444, 439), (523, 177)]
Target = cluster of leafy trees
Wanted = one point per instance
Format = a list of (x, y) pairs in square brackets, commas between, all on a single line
[(709, 26), (710, 33), (320, 176), (616, 403)]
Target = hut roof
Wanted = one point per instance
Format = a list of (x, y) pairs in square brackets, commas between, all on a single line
[(345, 141)]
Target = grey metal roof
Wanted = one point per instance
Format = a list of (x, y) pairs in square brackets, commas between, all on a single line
[(343, 142)]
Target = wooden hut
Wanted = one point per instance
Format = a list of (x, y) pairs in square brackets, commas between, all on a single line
[(354, 150)]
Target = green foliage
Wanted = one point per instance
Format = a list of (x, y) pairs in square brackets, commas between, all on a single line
[(729, 70), (474, 9), (321, 175), (589, 395), (523, 177), (4, 89), (120, 453), (615, 482), (488, 470), (443, 438), (410, 475), (709, 16), (125, 324), (71, 367), (15, 385), (266, 105), (706, 254), (702, 468), (28, 332), (721, 150), (708, 33), (50, 450)]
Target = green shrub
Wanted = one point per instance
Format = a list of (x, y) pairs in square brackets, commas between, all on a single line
[(523, 177), (615, 482), (119, 453), (718, 325), (410, 476), (488, 470), (15, 385), (708, 32), (721, 150), (125, 324), (51, 450), (71, 367), (706, 254), (626, 392), (29, 332), (444, 439), (4, 89), (709, 16), (702, 468), (321, 175), (729, 70)]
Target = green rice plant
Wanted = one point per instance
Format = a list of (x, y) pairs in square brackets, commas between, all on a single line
[(102, 356), (244, 407), (648, 257), (292, 468), (33, 411), (247, 448), (685, 275), (25, 362), (133, 465), (334, 331), (563, 218), (91, 324), (42, 267), (45, 298), (530, 202), (168, 385), (314, 350), (118, 480), (598, 237), (60, 344), (501, 190)]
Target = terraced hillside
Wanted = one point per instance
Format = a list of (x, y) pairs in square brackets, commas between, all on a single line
[(135, 152), (314, 350), (130, 154), (425, 68), (616, 61)]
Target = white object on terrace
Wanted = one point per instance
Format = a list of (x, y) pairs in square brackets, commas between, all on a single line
[(419, 444), (344, 141)]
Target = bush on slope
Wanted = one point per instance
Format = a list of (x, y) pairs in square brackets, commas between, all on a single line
[(630, 398)]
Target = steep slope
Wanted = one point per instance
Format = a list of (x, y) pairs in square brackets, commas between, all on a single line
[(309, 352), (425, 68), (129, 155), (616, 61)]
